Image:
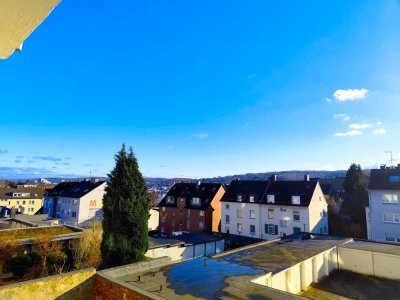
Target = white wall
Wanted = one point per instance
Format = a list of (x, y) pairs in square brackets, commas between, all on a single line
[(154, 219), (87, 209), (370, 263), (378, 228), (283, 213), (318, 222), (186, 252), (245, 221)]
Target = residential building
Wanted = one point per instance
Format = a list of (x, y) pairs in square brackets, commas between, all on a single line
[(77, 203), (271, 209), (383, 213), (26, 200), (191, 207)]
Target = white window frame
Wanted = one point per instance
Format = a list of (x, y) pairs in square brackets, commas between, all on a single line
[(240, 212), (296, 213), (227, 219), (296, 200), (393, 218), (251, 227), (252, 214), (271, 199), (227, 206), (251, 198), (201, 213), (195, 201), (271, 213), (239, 198), (239, 225), (390, 198)]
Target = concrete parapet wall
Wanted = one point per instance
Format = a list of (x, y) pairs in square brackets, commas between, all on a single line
[(74, 285)]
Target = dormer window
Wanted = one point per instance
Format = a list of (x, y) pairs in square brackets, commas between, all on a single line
[(271, 199), (251, 198), (170, 200), (239, 198), (195, 201), (296, 200)]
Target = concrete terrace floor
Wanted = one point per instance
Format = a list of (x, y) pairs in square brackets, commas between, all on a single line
[(349, 285), (276, 256), (213, 279)]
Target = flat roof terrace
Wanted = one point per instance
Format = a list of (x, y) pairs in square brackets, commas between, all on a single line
[(227, 275), (274, 256), (349, 285)]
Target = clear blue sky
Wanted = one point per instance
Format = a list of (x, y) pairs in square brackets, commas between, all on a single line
[(203, 88)]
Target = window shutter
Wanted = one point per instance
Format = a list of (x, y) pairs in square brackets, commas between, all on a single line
[(276, 229)]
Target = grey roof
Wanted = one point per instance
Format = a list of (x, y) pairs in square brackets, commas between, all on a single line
[(380, 179), (75, 189), (205, 191), (282, 190), (34, 193)]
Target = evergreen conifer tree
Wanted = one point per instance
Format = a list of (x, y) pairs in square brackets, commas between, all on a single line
[(126, 212)]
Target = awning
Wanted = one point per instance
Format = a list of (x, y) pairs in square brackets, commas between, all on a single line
[(18, 19)]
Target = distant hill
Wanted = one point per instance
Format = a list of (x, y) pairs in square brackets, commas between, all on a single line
[(163, 184)]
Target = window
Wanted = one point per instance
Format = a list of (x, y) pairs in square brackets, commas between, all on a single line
[(240, 213), (392, 237), (75, 202), (180, 223), (170, 200), (251, 198), (227, 219), (201, 213), (283, 223), (195, 201), (227, 206), (391, 218), (271, 213), (390, 198), (252, 229), (324, 213), (271, 229), (394, 178), (163, 209), (296, 216), (239, 228), (270, 198), (296, 200), (162, 219), (74, 214), (188, 212), (188, 224), (239, 198), (23, 202), (252, 214), (201, 224)]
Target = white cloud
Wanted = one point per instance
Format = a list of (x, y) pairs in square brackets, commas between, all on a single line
[(203, 135), (350, 94), (357, 126), (343, 117), (328, 99), (379, 131), (349, 133)]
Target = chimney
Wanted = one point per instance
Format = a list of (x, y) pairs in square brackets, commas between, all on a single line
[(307, 177), (383, 167), (273, 178)]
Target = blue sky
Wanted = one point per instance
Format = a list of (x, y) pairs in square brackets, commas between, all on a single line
[(203, 88)]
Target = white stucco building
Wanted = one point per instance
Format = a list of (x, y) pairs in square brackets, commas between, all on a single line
[(383, 213), (269, 209), (77, 203)]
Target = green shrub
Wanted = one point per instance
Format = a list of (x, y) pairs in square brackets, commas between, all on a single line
[(20, 265)]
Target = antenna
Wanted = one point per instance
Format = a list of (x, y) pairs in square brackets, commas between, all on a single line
[(391, 157)]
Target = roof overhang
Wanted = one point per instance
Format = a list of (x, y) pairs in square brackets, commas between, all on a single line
[(18, 19)]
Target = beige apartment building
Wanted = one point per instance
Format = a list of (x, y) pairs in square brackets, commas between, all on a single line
[(25, 200)]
